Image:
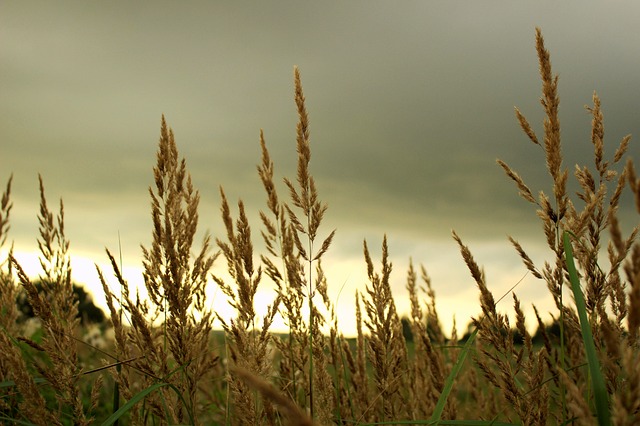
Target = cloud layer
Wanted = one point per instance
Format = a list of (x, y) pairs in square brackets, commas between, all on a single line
[(410, 106)]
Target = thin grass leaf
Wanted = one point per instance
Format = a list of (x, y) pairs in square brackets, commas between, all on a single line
[(443, 422), (16, 421), (448, 384), (139, 397), (11, 383), (346, 380), (599, 389)]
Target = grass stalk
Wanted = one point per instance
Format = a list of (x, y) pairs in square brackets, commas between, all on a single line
[(311, 411), (140, 396), (116, 386), (448, 384), (597, 381)]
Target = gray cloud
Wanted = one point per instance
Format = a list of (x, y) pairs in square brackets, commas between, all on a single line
[(410, 106)]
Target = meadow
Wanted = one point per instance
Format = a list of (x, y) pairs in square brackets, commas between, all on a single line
[(164, 364)]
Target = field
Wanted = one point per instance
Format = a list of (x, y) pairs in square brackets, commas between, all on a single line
[(164, 364)]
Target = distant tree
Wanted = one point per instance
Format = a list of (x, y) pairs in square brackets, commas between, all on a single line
[(470, 328), (552, 330), (516, 337), (406, 329), (88, 312), (432, 330)]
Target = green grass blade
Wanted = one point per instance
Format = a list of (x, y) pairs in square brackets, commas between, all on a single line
[(443, 422), (448, 385), (11, 383), (15, 421), (133, 401), (139, 397), (597, 381), (476, 423)]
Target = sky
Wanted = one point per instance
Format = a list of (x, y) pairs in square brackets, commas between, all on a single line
[(410, 105)]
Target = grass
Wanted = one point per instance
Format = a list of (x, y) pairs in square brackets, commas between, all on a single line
[(597, 381), (166, 365)]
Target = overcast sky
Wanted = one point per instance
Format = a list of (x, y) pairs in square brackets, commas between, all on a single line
[(410, 102)]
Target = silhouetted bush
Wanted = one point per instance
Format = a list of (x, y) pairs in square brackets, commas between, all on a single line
[(88, 312)]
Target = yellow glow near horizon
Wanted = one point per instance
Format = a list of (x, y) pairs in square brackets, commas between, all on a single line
[(345, 277)]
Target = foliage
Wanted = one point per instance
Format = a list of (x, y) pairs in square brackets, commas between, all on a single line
[(88, 312)]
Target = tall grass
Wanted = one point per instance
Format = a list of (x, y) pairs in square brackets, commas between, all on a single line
[(166, 366)]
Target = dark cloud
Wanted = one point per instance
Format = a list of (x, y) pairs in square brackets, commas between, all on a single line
[(410, 106)]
